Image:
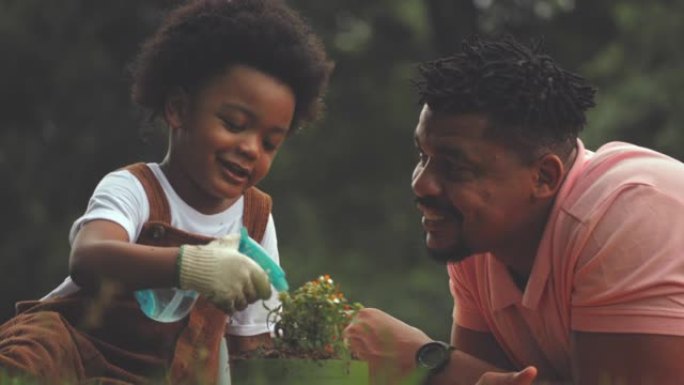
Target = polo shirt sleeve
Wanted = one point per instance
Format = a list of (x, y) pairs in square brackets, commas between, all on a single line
[(466, 311), (629, 277)]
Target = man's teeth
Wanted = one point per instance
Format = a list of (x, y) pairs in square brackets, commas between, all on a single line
[(433, 217)]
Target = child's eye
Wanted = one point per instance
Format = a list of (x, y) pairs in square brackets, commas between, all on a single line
[(272, 142), (232, 126), (269, 146)]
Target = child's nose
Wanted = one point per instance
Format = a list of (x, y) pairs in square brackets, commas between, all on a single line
[(249, 146)]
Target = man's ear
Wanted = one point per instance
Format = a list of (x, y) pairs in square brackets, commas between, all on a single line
[(176, 108), (550, 173)]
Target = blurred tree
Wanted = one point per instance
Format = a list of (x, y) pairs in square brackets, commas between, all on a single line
[(66, 121), (341, 188), (641, 78), (450, 22)]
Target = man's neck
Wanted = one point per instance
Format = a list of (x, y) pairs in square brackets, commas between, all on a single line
[(519, 280), (519, 257)]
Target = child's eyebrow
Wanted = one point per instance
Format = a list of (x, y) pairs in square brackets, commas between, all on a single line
[(225, 107)]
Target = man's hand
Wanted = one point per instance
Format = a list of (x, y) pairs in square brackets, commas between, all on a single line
[(523, 377), (388, 344), (226, 277)]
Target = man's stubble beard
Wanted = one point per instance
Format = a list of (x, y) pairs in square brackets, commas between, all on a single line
[(455, 254)]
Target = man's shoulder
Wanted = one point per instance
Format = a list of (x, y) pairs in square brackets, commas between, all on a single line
[(618, 163), (617, 167)]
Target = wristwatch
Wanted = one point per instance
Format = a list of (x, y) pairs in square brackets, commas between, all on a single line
[(433, 356)]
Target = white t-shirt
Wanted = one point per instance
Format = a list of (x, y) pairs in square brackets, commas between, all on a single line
[(121, 198)]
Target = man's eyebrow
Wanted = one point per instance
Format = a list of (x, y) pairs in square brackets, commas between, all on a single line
[(447, 151), (451, 151)]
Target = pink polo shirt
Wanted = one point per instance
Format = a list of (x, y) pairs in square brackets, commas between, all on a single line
[(611, 260)]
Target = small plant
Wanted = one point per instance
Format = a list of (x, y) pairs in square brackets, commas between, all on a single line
[(310, 321)]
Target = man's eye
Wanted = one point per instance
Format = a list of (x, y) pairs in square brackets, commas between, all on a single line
[(422, 158), (459, 173)]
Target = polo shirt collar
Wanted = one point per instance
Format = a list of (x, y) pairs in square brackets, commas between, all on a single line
[(503, 291)]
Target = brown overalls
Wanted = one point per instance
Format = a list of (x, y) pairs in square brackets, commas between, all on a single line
[(104, 338)]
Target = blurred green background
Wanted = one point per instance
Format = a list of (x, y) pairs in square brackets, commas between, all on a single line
[(343, 204)]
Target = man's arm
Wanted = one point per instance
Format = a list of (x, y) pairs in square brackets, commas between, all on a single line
[(389, 345), (599, 358), (481, 345), (629, 359), (476, 353), (613, 358)]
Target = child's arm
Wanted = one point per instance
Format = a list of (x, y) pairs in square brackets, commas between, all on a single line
[(217, 270), (101, 251)]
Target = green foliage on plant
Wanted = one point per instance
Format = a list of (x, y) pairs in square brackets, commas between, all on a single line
[(13, 379), (310, 320)]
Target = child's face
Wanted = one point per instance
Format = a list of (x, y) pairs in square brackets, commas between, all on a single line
[(228, 135)]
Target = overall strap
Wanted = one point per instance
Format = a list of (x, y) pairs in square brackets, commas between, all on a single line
[(256, 212), (257, 204), (159, 205), (198, 344)]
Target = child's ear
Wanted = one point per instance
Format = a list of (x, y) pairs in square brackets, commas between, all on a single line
[(176, 108), (549, 174)]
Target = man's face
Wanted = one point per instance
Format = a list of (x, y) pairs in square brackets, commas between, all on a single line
[(474, 194)]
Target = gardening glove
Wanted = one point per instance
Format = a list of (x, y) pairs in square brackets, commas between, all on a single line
[(228, 278)]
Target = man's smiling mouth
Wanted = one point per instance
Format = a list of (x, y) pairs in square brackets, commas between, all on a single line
[(436, 216)]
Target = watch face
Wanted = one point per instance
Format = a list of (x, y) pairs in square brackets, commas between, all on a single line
[(433, 355)]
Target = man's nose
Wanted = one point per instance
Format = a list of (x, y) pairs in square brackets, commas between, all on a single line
[(425, 182)]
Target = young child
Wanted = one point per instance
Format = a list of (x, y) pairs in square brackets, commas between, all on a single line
[(232, 79)]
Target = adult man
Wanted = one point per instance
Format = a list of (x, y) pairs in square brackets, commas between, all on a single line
[(566, 265)]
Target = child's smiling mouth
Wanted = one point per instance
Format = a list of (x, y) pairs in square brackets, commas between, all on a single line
[(234, 171)]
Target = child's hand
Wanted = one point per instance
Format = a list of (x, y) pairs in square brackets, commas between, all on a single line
[(226, 277)]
